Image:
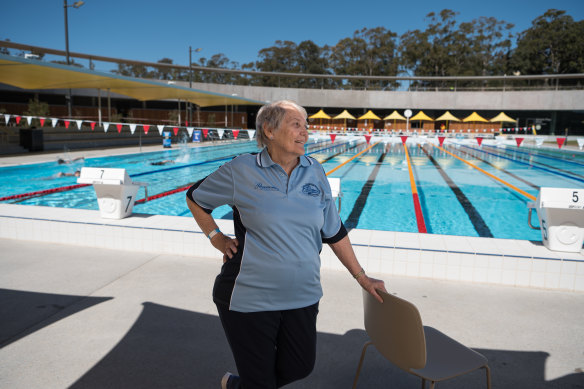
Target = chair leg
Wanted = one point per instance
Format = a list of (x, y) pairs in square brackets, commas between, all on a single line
[(361, 363), (432, 383), (423, 383), (488, 370)]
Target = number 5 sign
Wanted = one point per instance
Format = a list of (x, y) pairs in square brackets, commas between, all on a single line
[(561, 218)]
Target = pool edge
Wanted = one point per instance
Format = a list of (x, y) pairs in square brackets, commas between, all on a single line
[(440, 257)]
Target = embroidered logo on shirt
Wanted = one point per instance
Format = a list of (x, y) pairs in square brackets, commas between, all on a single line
[(266, 188), (310, 190)]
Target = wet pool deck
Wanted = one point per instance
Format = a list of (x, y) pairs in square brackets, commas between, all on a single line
[(90, 303)]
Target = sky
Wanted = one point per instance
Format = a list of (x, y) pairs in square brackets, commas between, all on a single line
[(151, 30)]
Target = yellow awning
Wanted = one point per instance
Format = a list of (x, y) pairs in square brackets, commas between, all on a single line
[(475, 117), (421, 116), (369, 115), (344, 115), (503, 118), (31, 74), (319, 115), (394, 116), (447, 116)]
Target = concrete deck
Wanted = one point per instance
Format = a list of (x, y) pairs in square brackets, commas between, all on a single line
[(98, 318), (74, 314)]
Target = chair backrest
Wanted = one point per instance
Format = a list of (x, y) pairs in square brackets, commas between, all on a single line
[(395, 328)]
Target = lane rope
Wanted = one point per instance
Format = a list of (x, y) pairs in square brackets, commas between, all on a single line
[(352, 158), (43, 192), (524, 193)]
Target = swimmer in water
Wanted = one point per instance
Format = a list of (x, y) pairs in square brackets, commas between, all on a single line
[(62, 161), (158, 163), (63, 174)]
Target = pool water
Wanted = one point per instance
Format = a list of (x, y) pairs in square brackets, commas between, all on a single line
[(455, 198)]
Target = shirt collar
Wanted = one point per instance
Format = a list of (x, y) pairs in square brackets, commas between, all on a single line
[(263, 159)]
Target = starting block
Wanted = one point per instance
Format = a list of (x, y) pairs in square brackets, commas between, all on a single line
[(561, 218), (116, 193), (335, 184)]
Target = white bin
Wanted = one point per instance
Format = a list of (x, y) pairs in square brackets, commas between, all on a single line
[(116, 193), (561, 218)]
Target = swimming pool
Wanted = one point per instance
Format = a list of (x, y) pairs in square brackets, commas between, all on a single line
[(455, 198)]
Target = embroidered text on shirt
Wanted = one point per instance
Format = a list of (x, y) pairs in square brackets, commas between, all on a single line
[(267, 188)]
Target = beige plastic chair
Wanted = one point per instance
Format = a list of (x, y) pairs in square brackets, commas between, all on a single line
[(395, 329)]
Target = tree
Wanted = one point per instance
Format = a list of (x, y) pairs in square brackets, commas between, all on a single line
[(218, 61), (4, 50), (490, 45), (413, 47), (138, 71), (554, 44), (164, 73), (370, 52), (288, 57), (440, 50), (64, 62), (436, 51), (37, 108), (485, 51), (310, 60), (446, 48), (278, 58)]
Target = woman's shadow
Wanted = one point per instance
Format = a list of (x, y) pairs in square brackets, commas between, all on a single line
[(174, 348)]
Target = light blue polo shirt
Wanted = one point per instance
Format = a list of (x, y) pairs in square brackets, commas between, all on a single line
[(280, 222)]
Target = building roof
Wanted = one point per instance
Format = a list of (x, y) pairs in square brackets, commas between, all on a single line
[(33, 74)]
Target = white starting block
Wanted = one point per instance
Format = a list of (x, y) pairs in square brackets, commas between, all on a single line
[(335, 184), (116, 193), (561, 218)]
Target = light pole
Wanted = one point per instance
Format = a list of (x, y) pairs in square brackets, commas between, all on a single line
[(191, 79), (77, 4)]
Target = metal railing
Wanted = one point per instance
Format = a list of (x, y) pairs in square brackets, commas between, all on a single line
[(341, 82)]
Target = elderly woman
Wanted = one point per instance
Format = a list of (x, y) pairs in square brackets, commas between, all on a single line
[(268, 291)]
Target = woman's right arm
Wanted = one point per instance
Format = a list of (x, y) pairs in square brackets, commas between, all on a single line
[(221, 242)]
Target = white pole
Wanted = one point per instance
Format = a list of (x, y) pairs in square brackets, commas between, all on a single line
[(99, 106)]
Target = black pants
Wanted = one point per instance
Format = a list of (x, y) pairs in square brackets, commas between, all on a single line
[(271, 349)]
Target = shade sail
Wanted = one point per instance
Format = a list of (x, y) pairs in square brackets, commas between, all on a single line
[(32, 74), (475, 117), (319, 115), (344, 115), (369, 116), (394, 116), (421, 116), (503, 118), (447, 116)]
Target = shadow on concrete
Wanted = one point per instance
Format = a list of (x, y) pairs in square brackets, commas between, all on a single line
[(165, 348), (23, 312), (173, 348)]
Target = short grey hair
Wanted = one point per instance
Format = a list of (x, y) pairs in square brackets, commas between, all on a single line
[(271, 115)]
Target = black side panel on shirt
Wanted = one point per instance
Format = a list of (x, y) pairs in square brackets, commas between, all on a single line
[(338, 236), (225, 281), (191, 190)]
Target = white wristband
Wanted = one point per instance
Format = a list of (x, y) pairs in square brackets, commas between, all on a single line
[(213, 233)]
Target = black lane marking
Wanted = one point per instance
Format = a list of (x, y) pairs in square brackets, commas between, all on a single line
[(353, 218), (339, 153), (526, 160), (501, 169), (475, 217), (541, 154)]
